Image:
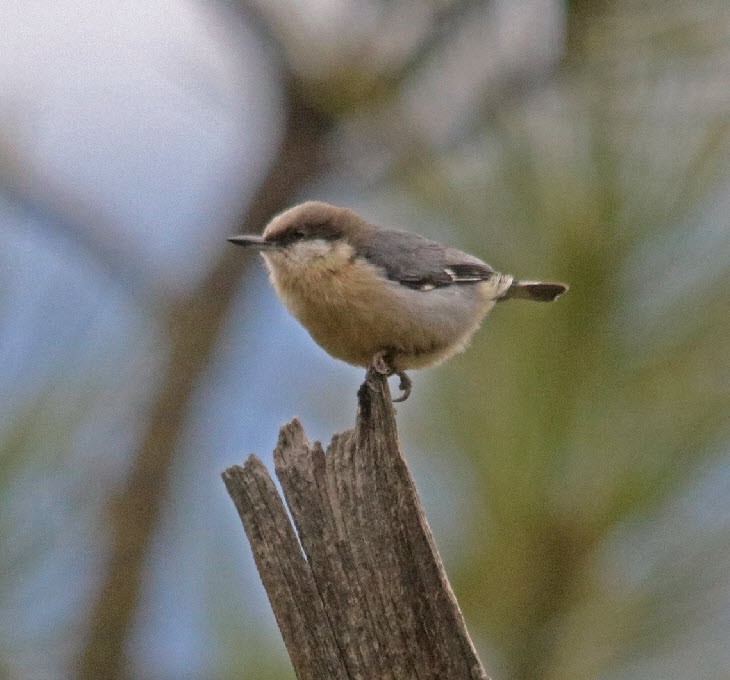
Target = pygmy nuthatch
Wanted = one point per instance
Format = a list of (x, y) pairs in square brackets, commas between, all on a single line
[(381, 297)]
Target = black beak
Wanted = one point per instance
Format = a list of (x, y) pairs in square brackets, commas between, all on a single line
[(251, 241)]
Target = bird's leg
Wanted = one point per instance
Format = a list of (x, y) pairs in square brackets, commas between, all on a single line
[(382, 364)]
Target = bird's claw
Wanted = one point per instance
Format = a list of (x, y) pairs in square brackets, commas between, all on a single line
[(404, 386), (381, 364)]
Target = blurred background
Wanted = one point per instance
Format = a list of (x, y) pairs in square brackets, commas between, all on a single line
[(573, 463)]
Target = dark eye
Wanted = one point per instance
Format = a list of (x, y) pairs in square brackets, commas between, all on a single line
[(289, 236)]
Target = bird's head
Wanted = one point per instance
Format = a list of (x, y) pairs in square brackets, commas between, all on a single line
[(308, 232)]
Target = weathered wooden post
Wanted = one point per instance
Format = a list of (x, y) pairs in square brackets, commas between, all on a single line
[(368, 597)]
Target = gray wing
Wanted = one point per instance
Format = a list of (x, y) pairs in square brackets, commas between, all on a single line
[(419, 263)]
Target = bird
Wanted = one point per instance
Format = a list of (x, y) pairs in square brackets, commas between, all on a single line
[(381, 298)]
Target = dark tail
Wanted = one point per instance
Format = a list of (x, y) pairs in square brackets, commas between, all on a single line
[(534, 290)]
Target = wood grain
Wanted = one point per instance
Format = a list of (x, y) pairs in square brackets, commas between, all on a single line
[(363, 593)]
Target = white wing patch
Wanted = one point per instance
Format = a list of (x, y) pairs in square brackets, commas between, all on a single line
[(446, 276), (465, 279)]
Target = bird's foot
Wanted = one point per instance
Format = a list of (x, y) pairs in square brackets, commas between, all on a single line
[(404, 386), (382, 364)]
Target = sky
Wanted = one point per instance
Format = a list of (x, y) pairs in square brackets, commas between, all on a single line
[(155, 114), (140, 107)]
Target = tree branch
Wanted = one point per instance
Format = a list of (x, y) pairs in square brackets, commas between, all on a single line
[(369, 599)]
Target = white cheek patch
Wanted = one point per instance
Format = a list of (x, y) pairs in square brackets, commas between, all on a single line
[(306, 259)]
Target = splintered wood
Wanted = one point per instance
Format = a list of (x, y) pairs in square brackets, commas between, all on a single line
[(362, 594)]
